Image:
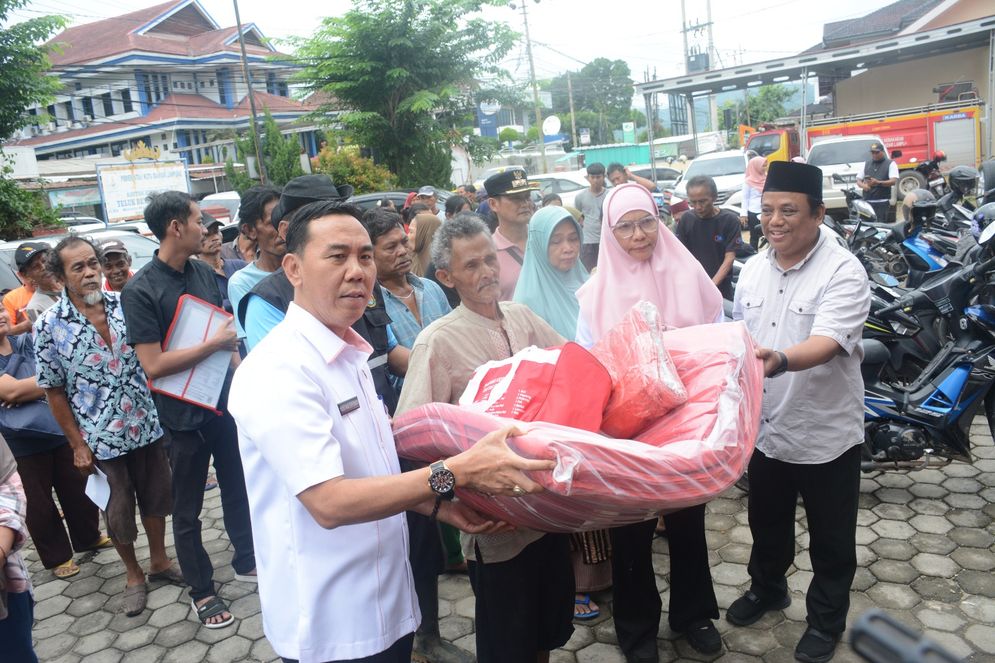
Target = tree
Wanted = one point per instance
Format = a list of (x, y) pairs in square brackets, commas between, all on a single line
[(406, 70), (281, 154), (510, 135), (22, 83), (346, 166), (766, 105), (602, 87)]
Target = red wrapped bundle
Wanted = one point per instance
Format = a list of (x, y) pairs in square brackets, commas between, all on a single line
[(645, 383), (541, 385), (695, 452)]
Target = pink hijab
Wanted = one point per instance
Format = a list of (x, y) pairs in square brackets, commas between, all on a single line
[(672, 279), (755, 175)]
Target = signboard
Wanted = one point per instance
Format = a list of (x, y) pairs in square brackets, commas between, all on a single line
[(628, 132), (80, 197), (487, 118), (585, 136), (125, 187)]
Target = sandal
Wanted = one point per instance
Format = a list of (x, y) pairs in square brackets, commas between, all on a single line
[(169, 574), (134, 598), (102, 543), (211, 483), (66, 570), (212, 608), (586, 601)]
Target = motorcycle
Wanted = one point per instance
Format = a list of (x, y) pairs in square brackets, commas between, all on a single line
[(925, 422), (929, 176)]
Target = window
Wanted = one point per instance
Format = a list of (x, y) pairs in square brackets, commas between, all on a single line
[(851, 151), (126, 100), (88, 106), (52, 116), (716, 167), (78, 86), (108, 104), (70, 111), (764, 145)]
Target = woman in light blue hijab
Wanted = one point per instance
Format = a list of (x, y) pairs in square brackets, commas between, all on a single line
[(551, 271)]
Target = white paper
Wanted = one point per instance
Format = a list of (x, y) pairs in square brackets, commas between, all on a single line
[(196, 322), (98, 489)]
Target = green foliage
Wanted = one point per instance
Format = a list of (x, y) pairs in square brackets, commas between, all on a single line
[(510, 135), (766, 105), (480, 148), (532, 135), (238, 180), (282, 154), (23, 63), (21, 210), (347, 167), (602, 92), (404, 67)]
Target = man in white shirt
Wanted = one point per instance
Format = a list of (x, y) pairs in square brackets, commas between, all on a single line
[(325, 489), (804, 303)]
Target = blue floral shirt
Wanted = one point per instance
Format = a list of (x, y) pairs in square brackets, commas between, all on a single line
[(106, 387)]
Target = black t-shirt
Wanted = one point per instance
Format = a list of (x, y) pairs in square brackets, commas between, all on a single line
[(709, 240), (149, 300)]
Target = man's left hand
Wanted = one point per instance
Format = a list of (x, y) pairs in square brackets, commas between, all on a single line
[(467, 520), (770, 358)]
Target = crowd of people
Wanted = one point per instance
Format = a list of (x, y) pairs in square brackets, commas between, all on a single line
[(342, 319)]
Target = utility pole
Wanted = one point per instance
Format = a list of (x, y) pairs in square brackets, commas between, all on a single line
[(713, 59), (252, 100), (535, 86), (689, 96), (573, 120)]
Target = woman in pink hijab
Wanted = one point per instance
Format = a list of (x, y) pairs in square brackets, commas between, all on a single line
[(753, 188), (641, 260)]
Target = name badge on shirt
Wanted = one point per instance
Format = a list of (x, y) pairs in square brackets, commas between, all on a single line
[(351, 405)]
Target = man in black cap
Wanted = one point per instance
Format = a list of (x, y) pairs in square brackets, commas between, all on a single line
[(210, 252), (804, 303), (29, 259), (876, 179), (266, 304), (510, 200)]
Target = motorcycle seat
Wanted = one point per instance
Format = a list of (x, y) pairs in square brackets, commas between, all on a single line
[(895, 230), (944, 244)]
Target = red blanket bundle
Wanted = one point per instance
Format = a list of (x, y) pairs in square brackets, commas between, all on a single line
[(687, 457)]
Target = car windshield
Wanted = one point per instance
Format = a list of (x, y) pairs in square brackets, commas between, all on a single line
[(850, 151), (716, 167), (764, 145)]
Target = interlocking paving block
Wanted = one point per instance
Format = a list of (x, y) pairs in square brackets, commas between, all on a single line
[(54, 646), (890, 570), (123, 622), (728, 573), (890, 595), (962, 501), (968, 518), (893, 529), (147, 654), (799, 581), (262, 651), (863, 580), (939, 589), (953, 642), (465, 607), (51, 606), (788, 633), (94, 642), (962, 485), (445, 608), (940, 566), (940, 617), (163, 596), (605, 632), (79, 587), (895, 495), (103, 656), (91, 623), (454, 587), (931, 491), (977, 582), (981, 636), (246, 606), (191, 650), (938, 544), (455, 627), (894, 549), (925, 506), (176, 634), (719, 522), (52, 588), (169, 614), (229, 649), (250, 627), (136, 638), (979, 608), (582, 637), (974, 538), (562, 656), (894, 511), (54, 625), (738, 553)]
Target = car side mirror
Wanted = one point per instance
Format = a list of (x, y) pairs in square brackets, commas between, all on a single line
[(896, 154)]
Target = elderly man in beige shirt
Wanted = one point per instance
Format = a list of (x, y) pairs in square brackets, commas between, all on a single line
[(522, 580)]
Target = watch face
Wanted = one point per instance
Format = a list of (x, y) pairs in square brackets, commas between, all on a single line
[(442, 481)]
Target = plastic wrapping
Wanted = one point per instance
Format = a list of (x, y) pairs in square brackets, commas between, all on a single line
[(541, 385), (688, 457), (645, 383)]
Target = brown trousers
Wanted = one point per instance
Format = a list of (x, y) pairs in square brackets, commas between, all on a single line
[(40, 473)]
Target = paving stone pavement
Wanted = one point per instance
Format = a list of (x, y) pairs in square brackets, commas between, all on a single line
[(926, 552)]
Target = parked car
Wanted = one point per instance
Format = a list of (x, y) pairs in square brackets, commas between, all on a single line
[(79, 223), (566, 185), (141, 250), (666, 177), (369, 200)]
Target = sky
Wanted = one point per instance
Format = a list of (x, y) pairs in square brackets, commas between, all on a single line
[(565, 33)]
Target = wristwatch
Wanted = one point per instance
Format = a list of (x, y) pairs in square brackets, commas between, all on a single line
[(442, 481), (782, 367)]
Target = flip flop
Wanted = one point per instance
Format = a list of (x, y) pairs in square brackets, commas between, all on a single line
[(102, 543), (211, 483), (169, 574), (133, 601), (587, 602), (65, 570), (212, 608)]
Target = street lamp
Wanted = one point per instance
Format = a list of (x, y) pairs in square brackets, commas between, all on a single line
[(535, 86)]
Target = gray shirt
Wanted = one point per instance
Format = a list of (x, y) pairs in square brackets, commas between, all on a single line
[(811, 416), (590, 206)]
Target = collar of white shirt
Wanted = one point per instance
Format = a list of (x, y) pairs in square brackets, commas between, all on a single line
[(823, 238), (328, 344)]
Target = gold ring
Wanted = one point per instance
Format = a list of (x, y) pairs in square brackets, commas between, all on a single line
[(518, 490)]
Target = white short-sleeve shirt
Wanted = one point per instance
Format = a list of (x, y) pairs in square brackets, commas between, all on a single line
[(809, 416), (307, 412)]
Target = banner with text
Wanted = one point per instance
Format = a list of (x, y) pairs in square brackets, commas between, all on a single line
[(125, 187)]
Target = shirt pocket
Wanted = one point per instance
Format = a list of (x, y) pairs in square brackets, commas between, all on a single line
[(800, 318), (752, 306)]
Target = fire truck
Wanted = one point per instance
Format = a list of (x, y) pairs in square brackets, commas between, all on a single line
[(953, 128)]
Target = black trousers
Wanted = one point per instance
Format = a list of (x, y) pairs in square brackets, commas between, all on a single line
[(190, 455), (40, 473), (399, 652), (756, 230), (636, 602), (881, 209), (830, 492)]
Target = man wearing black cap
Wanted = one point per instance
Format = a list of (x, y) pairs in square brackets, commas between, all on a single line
[(879, 175), (210, 252), (30, 265), (267, 302), (804, 303), (115, 263), (510, 199)]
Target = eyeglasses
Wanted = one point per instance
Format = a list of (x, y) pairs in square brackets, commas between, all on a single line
[(649, 225), (876, 151)]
